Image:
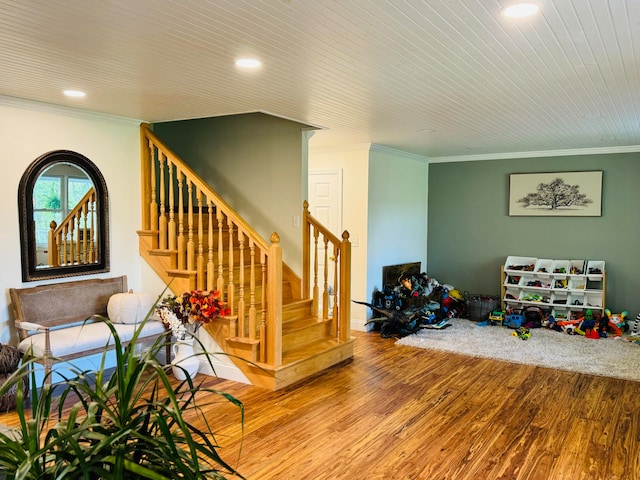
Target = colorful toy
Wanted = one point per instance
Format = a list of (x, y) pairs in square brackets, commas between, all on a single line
[(497, 316), (514, 320), (587, 327), (616, 322), (569, 326), (522, 333), (634, 326)]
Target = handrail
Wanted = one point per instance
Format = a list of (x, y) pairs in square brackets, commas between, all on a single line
[(73, 242), (197, 181), (336, 283)]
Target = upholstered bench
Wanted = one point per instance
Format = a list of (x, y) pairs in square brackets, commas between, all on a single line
[(64, 321)]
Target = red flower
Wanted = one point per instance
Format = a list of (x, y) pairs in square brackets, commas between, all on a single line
[(197, 307)]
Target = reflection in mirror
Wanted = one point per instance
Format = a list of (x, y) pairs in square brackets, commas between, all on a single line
[(63, 217)]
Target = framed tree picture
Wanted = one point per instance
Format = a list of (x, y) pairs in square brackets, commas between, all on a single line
[(562, 194)]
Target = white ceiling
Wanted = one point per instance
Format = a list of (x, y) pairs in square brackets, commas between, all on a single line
[(432, 77)]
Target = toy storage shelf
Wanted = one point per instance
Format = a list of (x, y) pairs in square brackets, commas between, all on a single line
[(564, 287)]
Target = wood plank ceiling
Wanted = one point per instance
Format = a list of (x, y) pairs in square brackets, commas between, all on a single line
[(436, 78)]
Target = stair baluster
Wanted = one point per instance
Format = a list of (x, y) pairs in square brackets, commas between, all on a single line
[(200, 280), (211, 269)]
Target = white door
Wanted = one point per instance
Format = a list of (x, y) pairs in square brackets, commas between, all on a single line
[(325, 204), (325, 198)]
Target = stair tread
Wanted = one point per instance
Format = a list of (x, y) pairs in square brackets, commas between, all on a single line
[(311, 349)]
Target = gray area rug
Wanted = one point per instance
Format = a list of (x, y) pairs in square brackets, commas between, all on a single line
[(608, 357)]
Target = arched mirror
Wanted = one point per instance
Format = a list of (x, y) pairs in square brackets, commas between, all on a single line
[(64, 228)]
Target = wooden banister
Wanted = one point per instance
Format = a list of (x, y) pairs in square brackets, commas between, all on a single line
[(73, 242), (217, 249)]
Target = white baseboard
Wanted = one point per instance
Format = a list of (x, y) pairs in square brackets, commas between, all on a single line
[(222, 370)]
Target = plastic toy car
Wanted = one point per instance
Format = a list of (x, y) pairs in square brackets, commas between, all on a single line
[(497, 316)]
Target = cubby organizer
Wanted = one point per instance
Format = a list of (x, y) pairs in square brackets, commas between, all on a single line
[(565, 288)]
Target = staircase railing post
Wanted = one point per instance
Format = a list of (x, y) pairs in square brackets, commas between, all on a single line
[(306, 251), (145, 168), (345, 288), (274, 302)]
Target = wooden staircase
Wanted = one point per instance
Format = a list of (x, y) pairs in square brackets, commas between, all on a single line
[(283, 327)]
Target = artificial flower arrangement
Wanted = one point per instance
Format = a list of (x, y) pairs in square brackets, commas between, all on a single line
[(186, 313)]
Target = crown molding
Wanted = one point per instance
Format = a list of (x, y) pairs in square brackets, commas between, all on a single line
[(25, 104), (399, 153), (359, 147), (537, 154)]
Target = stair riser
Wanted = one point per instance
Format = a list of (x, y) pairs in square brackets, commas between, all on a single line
[(301, 337), (296, 310)]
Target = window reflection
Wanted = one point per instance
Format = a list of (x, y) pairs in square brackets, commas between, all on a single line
[(56, 193)]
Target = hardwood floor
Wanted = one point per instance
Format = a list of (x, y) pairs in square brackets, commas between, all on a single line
[(403, 413)]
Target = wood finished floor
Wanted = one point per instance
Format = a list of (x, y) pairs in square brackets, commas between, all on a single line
[(403, 413)]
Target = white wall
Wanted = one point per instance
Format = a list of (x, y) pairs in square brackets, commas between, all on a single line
[(29, 129), (354, 163), (384, 210)]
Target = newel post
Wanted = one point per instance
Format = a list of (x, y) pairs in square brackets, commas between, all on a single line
[(306, 251), (345, 288), (145, 169), (52, 246), (274, 302)]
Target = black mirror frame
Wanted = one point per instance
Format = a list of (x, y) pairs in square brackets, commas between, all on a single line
[(27, 228)]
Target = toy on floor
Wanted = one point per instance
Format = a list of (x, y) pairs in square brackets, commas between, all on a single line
[(614, 324), (569, 326), (634, 326), (522, 333), (587, 327), (496, 317), (514, 319)]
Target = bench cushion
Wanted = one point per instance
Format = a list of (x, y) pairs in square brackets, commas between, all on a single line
[(66, 341)]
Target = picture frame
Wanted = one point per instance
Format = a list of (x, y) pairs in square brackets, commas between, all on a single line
[(556, 194)]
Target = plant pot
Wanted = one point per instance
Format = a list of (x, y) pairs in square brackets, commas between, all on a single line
[(184, 361)]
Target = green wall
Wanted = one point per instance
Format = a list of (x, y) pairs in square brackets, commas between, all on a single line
[(470, 233), (256, 163)]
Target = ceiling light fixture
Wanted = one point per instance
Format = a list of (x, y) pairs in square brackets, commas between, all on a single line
[(248, 63), (74, 93), (520, 10)]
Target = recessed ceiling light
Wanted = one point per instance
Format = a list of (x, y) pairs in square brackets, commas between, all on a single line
[(520, 10), (74, 93), (248, 63)]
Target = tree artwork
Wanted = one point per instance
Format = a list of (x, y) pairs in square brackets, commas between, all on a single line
[(556, 194)]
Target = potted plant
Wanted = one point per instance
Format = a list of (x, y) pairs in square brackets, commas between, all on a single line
[(127, 423)]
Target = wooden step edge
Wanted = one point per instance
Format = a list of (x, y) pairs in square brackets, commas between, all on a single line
[(162, 251), (300, 301), (147, 233), (307, 352), (243, 341), (181, 273)]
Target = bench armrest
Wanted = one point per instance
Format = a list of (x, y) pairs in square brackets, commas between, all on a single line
[(29, 326)]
